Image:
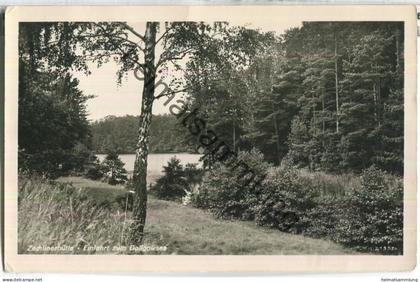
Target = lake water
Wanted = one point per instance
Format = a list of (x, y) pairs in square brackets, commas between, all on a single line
[(155, 162)]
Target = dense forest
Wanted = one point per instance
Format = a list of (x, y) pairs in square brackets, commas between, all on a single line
[(327, 96), (54, 134), (318, 111), (119, 134)]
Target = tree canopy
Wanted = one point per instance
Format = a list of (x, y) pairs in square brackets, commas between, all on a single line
[(327, 96), (54, 135)]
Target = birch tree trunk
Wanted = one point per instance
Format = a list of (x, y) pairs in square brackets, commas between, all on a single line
[(276, 133), (337, 105), (234, 135), (142, 148), (375, 106), (397, 51)]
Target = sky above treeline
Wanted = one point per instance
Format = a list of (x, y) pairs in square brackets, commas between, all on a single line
[(125, 99)]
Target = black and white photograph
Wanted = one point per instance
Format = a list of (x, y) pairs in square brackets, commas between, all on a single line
[(251, 137)]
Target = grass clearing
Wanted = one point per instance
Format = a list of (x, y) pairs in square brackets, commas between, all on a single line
[(48, 217), (188, 230), (330, 184), (80, 182)]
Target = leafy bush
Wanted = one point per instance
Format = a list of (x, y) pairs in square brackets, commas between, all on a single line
[(321, 221), (201, 199), (363, 213), (193, 176), (223, 190), (369, 218), (374, 221), (172, 185), (186, 200), (284, 200)]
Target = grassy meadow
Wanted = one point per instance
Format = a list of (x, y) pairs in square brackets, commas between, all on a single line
[(90, 213), (332, 184)]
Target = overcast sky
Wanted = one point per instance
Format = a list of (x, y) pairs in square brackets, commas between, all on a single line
[(112, 99)]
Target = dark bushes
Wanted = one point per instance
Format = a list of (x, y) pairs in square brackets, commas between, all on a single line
[(176, 180), (367, 219), (322, 220), (376, 215), (224, 193), (113, 169), (367, 216), (110, 170), (284, 200), (94, 170), (172, 185), (280, 201)]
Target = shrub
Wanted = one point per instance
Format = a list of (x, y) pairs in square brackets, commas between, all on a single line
[(374, 221), (284, 200), (364, 213), (368, 218), (186, 200), (193, 176), (224, 191), (113, 169), (94, 170), (321, 221), (201, 199), (172, 185)]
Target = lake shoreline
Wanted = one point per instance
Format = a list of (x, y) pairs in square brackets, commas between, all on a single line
[(156, 162)]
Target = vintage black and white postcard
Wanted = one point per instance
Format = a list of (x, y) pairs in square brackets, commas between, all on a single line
[(210, 138)]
